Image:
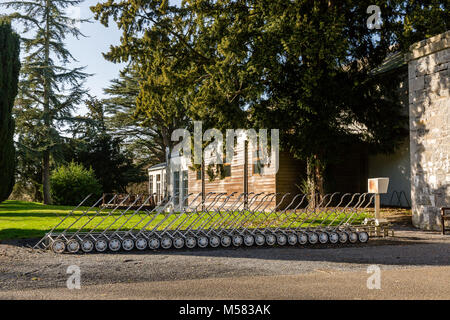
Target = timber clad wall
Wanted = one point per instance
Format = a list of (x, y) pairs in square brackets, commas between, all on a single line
[(235, 183)]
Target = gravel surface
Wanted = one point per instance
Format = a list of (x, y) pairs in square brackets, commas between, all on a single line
[(24, 268)]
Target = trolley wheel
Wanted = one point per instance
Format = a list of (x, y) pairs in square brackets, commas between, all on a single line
[(73, 246), (178, 242), (58, 246), (225, 241), (87, 245), (281, 239), (114, 244), (214, 241), (249, 240), (343, 237), (128, 244), (323, 237), (363, 237), (302, 238), (271, 239), (313, 238), (154, 243), (334, 237), (237, 240), (166, 243), (101, 245), (141, 244), (191, 242), (292, 239), (353, 237), (202, 242), (260, 240)]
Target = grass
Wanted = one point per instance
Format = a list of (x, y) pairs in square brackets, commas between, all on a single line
[(20, 219)]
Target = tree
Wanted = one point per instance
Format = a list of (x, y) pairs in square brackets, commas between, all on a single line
[(9, 75), (49, 90), (139, 135), (303, 66), (93, 146)]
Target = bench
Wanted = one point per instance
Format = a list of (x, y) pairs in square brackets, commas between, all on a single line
[(445, 215)]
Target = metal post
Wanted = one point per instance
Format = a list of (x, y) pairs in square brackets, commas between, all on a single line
[(246, 175), (203, 182)]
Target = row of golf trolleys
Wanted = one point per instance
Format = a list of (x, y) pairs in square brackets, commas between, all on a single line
[(214, 220)]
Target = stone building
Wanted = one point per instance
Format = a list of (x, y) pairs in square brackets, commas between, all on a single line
[(429, 113)]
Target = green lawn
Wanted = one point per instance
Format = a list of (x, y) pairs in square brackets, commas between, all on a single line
[(19, 219)]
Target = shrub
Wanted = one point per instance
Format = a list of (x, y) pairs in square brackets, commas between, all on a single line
[(72, 183)]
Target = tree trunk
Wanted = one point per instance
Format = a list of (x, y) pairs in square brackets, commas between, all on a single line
[(311, 182), (47, 122), (46, 177)]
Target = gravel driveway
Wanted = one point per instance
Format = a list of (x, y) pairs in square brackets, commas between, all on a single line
[(22, 268)]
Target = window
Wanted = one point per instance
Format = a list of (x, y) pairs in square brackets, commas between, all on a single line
[(227, 170), (258, 166), (158, 187), (199, 174), (150, 184), (185, 187), (176, 187)]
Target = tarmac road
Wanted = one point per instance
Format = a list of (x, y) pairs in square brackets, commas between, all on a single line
[(414, 265)]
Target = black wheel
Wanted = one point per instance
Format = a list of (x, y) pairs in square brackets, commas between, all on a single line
[(343, 237), (58, 246), (73, 246), (141, 243), (363, 237), (128, 244), (87, 245), (353, 237), (292, 239), (178, 242), (225, 241), (154, 243), (202, 242), (237, 240), (166, 243), (114, 244), (323, 237), (281, 239), (313, 238), (214, 241), (260, 240), (334, 237), (302, 238), (101, 245), (191, 242), (271, 239), (249, 240)]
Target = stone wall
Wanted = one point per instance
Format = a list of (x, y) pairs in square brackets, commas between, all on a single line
[(429, 113)]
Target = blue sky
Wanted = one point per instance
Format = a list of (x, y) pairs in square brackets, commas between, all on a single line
[(88, 50)]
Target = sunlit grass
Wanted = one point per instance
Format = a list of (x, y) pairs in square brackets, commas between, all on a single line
[(19, 219)]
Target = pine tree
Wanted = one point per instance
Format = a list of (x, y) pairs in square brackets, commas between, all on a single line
[(9, 75), (49, 90), (139, 134)]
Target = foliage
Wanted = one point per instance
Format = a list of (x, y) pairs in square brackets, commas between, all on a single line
[(140, 135), (72, 183), (302, 66), (49, 90), (94, 146), (9, 75)]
